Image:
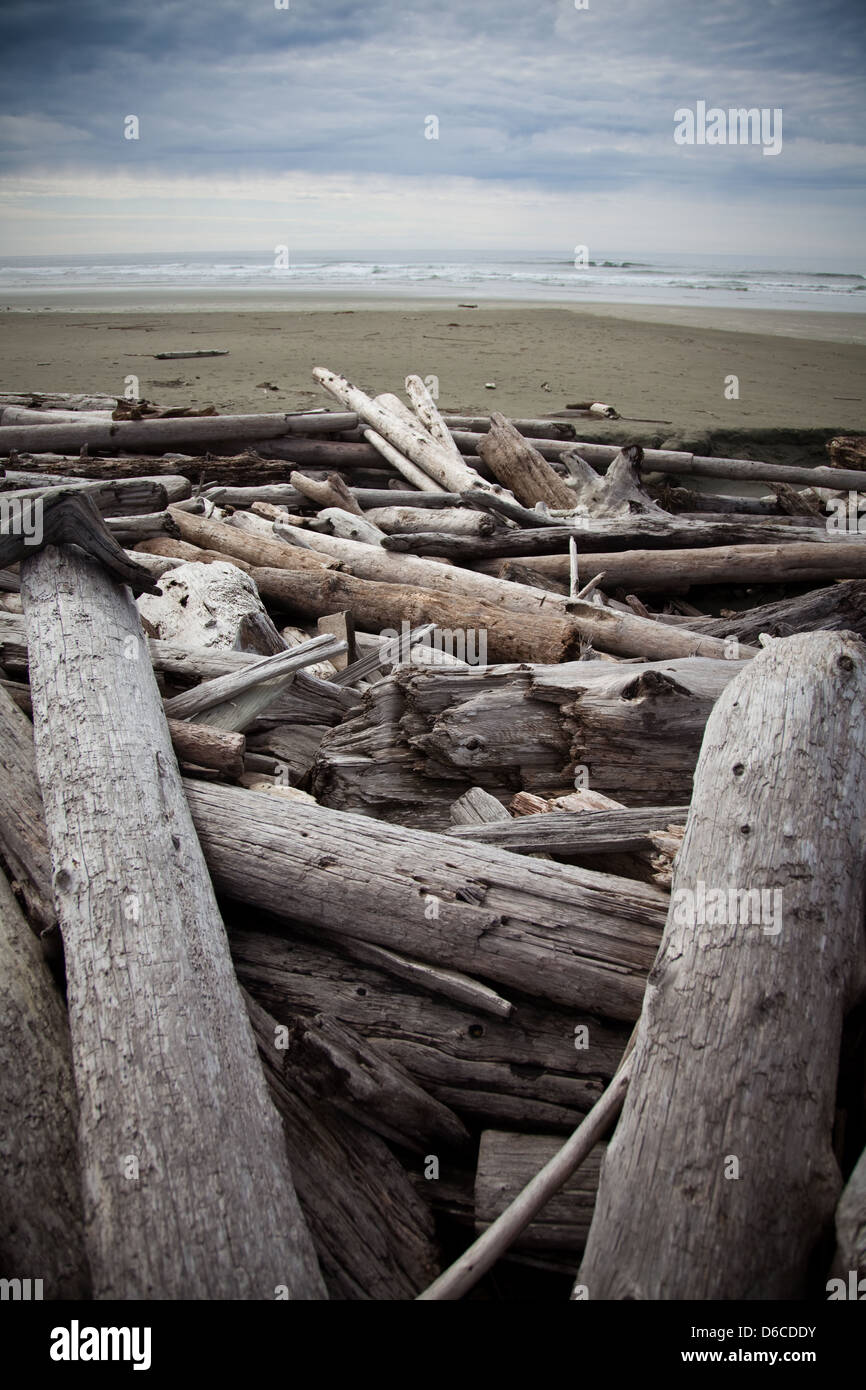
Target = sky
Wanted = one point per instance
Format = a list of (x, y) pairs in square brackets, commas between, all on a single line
[(308, 126)]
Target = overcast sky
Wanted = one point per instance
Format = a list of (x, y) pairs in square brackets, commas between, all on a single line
[(305, 126)]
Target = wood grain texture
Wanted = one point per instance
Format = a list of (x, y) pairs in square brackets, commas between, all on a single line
[(187, 1190), (720, 1179)]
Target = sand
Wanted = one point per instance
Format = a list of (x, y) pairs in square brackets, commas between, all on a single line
[(665, 368)]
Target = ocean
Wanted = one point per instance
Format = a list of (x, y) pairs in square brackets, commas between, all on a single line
[(721, 281)]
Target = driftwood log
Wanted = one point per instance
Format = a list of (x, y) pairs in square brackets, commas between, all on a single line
[(521, 468), (521, 923), (720, 1181), (180, 1146), (41, 1218)]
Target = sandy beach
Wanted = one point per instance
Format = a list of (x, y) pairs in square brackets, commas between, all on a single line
[(664, 369)]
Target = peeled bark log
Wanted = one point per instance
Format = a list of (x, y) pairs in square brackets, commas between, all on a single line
[(41, 1218), (203, 746), (235, 543), (565, 934), (653, 570), (520, 468), (157, 436), (182, 1157), (450, 472), (508, 636), (484, 1067), (727, 1126), (373, 1235)]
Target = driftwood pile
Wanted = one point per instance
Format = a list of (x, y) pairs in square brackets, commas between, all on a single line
[(379, 819)]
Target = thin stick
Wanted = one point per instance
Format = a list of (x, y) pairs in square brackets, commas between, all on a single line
[(572, 567), (487, 1249)]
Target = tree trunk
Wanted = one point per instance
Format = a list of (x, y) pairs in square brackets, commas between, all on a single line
[(564, 934), (182, 1157), (41, 1219), (720, 1180)]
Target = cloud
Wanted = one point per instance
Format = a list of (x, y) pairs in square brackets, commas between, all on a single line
[(565, 102)]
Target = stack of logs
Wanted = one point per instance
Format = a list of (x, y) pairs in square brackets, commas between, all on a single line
[(377, 812)]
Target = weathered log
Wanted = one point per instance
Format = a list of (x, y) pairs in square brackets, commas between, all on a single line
[(363, 1083), (219, 749), (41, 1217), (521, 468), (484, 1067), (113, 497), (439, 463), (507, 636), (232, 702), (156, 436), (839, 608), (336, 522), (653, 570), (23, 845), (727, 1126), (561, 933), (428, 413), (186, 1156), (561, 832), (614, 534), (373, 1234), (544, 429), (621, 634), (236, 543), (508, 1161), (420, 738), (457, 521), (70, 518)]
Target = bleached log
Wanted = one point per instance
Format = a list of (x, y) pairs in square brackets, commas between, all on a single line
[(236, 543), (458, 521), (521, 468), (414, 442), (560, 933), (157, 436), (428, 413), (41, 1217), (183, 1163), (202, 605), (727, 1126), (331, 493), (337, 522)]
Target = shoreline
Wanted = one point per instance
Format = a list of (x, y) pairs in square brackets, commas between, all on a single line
[(663, 368)]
